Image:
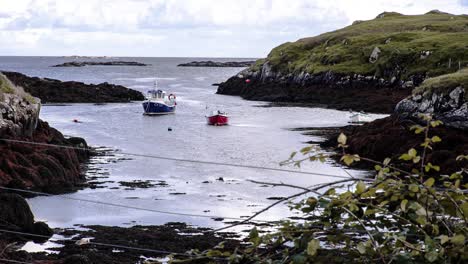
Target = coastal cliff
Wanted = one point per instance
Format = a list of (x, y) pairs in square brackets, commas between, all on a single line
[(28, 166), (368, 66), (445, 98), (55, 91)]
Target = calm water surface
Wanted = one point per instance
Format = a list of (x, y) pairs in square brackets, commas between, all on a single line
[(256, 136)]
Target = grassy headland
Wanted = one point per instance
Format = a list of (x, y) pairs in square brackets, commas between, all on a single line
[(434, 43), (445, 83)]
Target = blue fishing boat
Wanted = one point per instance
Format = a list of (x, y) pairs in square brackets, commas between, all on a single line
[(157, 103)]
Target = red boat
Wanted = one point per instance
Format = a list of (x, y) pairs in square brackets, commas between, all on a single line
[(217, 118)]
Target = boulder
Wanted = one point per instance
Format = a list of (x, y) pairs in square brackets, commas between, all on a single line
[(16, 215), (451, 108), (374, 55)]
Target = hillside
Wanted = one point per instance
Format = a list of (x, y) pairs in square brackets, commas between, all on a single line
[(416, 44), (392, 52)]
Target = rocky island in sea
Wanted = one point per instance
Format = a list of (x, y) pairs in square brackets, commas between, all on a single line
[(99, 63), (55, 91), (217, 64)]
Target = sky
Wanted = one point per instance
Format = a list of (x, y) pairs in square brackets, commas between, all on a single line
[(183, 28)]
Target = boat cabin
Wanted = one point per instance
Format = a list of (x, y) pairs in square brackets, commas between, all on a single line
[(156, 94)]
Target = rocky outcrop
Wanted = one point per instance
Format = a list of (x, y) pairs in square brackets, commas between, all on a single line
[(334, 90), (15, 215), (18, 115), (376, 140), (217, 64), (55, 91), (100, 63), (43, 168), (450, 108), (27, 166)]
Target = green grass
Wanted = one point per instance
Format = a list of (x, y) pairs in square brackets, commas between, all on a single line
[(5, 85), (401, 39), (445, 83)]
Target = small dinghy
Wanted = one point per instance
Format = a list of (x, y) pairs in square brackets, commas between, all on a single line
[(360, 118), (217, 118), (157, 103)]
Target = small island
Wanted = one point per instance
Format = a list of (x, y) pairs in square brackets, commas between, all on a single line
[(56, 91), (217, 64), (102, 63)]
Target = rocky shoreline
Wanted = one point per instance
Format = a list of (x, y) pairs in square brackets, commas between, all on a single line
[(338, 91), (99, 63), (55, 91), (217, 64), (376, 140)]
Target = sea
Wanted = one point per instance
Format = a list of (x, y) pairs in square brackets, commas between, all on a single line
[(200, 194)]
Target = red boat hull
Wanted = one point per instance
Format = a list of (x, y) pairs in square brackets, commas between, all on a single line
[(218, 120)]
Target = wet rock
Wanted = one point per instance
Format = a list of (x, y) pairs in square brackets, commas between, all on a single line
[(55, 91), (76, 259), (42, 168), (217, 64), (376, 140), (16, 215), (326, 89)]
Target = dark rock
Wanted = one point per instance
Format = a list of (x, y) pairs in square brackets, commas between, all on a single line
[(101, 63), (328, 89), (42, 168), (376, 140), (42, 229), (55, 91), (450, 108), (15, 212), (217, 64), (76, 259), (16, 215)]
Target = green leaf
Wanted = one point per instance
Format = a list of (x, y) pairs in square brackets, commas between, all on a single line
[(429, 182), (312, 247), (436, 139), (306, 149), (342, 139), (349, 159), (403, 205), (361, 247), (253, 233), (412, 152), (464, 208), (414, 188), (431, 256), (458, 239), (387, 161), (443, 239), (405, 157), (360, 187)]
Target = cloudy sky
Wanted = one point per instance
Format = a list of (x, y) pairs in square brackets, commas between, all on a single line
[(177, 28)]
